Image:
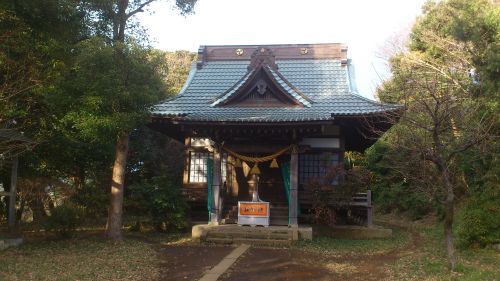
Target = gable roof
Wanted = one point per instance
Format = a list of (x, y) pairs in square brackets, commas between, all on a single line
[(286, 87), (317, 76)]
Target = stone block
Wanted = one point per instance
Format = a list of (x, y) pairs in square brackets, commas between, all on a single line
[(306, 233)]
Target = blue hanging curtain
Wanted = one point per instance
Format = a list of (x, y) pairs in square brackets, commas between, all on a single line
[(285, 172), (209, 188)]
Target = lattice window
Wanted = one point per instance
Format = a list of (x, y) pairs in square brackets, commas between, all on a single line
[(198, 167), (315, 165)]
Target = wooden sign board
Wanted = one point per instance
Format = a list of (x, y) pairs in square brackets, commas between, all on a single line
[(256, 209), (253, 213)]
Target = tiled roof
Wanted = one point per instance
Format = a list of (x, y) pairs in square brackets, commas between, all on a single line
[(322, 85)]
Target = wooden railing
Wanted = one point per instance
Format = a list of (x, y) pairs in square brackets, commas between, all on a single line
[(359, 200)]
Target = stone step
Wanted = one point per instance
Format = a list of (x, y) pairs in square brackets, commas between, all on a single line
[(279, 222), (263, 242), (245, 229), (214, 240), (229, 221), (252, 235), (255, 242), (279, 217), (241, 230)]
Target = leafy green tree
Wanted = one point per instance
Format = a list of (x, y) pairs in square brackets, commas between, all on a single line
[(113, 20), (109, 91), (76, 77), (445, 81), (178, 65)]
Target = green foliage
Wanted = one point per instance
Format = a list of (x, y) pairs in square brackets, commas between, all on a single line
[(475, 22), (34, 47), (71, 86), (339, 186), (152, 154), (64, 220), (402, 198), (479, 220), (161, 199), (178, 65), (109, 89), (93, 200), (448, 71), (401, 188)]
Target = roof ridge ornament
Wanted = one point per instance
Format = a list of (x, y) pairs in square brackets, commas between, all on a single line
[(262, 56)]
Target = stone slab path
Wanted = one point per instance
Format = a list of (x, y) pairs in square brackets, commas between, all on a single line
[(225, 264)]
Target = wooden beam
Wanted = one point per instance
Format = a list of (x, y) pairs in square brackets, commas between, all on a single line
[(12, 197)]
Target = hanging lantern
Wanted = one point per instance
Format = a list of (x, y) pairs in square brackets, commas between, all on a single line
[(274, 164), (255, 170), (238, 163)]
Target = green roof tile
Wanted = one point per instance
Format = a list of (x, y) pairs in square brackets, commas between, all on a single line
[(324, 84)]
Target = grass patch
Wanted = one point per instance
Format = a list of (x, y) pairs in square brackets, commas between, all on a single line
[(428, 261), (338, 247), (91, 258)]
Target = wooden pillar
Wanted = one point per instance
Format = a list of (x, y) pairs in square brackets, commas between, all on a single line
[(13, 191), (216, 185), (294, 186)]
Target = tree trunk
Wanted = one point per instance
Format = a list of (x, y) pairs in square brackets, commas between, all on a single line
[(119, 36), (448, 220), (449, 203), (114, 224)]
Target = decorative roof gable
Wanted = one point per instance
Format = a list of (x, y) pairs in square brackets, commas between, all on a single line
[(263, 86)]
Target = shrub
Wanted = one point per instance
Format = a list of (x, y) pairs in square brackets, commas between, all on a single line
[(161, 198), (339, 185), (402, 198), (64, 220), (93, 199), (479, 220)]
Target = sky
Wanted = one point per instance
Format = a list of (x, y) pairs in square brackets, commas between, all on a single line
[(364, 25)]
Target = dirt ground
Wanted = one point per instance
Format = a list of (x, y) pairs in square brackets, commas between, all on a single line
[(189, 262), (283, 264), (275, 264)]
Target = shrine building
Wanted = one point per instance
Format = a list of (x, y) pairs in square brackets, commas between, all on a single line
[(260, 122)]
